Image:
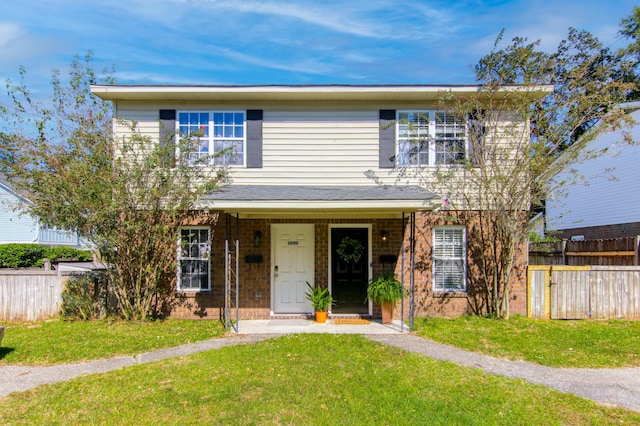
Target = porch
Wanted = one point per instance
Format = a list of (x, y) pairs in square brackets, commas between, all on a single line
[(295, 326), (276, 239)]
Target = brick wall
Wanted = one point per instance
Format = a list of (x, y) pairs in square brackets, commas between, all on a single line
[(255, 278), (451, 304)]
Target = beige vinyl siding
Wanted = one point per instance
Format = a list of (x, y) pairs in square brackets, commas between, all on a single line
[(146, 123), (311, 145), (145, 117), (300, 147), (315, 147)]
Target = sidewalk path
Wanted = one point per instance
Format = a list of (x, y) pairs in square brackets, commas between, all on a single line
[(608, 386), (612, 386)]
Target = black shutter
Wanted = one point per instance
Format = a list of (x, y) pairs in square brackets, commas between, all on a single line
[(476, 137), (254, 138), (167, 136), (387, 144)]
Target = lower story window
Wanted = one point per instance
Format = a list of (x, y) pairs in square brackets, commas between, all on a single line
[(194, 248), (449, 259)]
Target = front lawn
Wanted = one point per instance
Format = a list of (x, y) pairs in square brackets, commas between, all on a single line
[(303, 380), (588, 344), (55, 342)]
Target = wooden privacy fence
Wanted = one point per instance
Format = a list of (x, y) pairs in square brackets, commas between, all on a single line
[(617, 251), (30, 295), (582, 292)]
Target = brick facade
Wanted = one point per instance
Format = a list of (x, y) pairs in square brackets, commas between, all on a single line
[(255, 278)]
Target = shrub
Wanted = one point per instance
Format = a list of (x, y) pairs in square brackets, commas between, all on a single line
[(20, 255), (30, 255), (68, 253), (84, 297)]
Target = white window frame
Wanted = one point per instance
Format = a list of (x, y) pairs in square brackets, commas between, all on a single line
[(211, 138), (428, 141), (437, 257), (205, 255)]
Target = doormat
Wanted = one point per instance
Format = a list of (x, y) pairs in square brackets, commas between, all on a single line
[(350, 321)]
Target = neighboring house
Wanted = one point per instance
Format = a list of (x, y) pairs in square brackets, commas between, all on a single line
[(302, 202), (16, 226), (602, 199)]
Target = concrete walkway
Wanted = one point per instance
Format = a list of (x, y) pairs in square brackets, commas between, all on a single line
[(608, 386), (611, 386), (291, 326)]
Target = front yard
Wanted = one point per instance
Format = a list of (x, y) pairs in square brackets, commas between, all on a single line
[(312, 379), (55, 342), (577, 344)]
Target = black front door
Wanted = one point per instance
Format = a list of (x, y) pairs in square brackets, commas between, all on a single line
[(349, 270)]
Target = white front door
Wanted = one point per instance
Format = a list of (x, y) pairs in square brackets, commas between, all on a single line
[(292, 267)]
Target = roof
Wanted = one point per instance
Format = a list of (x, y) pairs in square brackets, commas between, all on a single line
[(271, 201), (335, 92), (4, 183)]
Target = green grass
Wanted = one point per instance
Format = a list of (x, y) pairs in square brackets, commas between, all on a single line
[(588, 344), (303, 379), (55, 342)]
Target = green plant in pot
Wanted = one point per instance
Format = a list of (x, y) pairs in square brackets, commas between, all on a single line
[(385, 290), (321, 300)]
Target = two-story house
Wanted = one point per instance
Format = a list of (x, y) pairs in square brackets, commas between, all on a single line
[(317, 194)]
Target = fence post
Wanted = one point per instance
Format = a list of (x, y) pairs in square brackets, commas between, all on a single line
[(529, 294), (636, 248), (547, 292)]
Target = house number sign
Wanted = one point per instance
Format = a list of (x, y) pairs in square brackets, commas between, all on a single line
[(292, 243)]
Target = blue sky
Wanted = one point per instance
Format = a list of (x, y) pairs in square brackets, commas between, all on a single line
[(285, 42)]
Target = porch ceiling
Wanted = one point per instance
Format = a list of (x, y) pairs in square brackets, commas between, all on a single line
[(279, 201)]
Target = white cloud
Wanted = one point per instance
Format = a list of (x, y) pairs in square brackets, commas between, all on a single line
[(18, 46), (309, 65), (369, 19), (9, 31)]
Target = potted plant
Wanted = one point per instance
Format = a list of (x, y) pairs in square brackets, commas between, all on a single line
[(385, 290), (321, 299)]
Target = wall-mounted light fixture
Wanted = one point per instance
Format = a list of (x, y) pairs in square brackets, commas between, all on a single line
[(384, 235), (257, 238)]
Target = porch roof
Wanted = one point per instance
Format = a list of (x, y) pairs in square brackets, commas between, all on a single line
[(294, 201)]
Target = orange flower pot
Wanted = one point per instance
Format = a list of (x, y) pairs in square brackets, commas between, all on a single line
[(321, 317)]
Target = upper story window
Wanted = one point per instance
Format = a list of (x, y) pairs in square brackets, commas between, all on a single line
[(429, 138), (220, 136)]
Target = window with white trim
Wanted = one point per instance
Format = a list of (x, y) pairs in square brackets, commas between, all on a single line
[(221, 136), (194, 263), (430, 138), (449, 259)]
